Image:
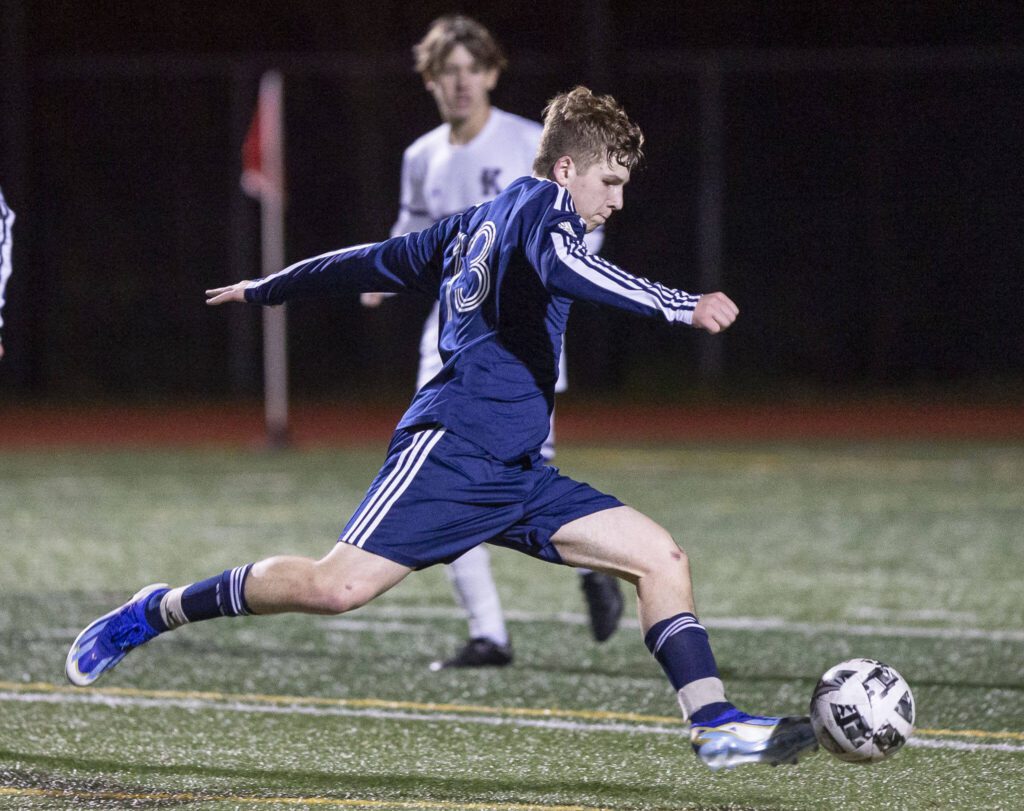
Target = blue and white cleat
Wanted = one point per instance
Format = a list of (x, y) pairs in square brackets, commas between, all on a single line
[(106, 641), (735, 738)]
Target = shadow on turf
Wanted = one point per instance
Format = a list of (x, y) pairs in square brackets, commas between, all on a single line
[(79, 789), (286, 783)]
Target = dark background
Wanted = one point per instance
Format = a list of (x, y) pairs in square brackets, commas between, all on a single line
[(870, 159)]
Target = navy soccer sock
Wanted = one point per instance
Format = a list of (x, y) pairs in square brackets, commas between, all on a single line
[(681, 646), (220, 596)]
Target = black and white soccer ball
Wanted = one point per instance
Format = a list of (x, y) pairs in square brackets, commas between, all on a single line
[(862, 711)]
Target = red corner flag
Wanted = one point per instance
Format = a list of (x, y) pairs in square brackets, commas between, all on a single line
[(263, 149)]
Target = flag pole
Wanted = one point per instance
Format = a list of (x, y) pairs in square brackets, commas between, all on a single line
[(263, 177)]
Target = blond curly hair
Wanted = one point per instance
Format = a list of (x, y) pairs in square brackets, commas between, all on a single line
[(588, 129)]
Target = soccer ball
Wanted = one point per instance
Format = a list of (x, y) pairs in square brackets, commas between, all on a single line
[(862, 711)]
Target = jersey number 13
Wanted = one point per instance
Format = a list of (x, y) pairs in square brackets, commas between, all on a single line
[(469, 287)]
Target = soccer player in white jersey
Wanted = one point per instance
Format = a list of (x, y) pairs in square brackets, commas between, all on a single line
[(474, 154), (464, 465), (6, 222)]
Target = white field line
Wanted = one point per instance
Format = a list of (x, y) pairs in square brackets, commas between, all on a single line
[(250, 707), (963, 746), (726, 623)]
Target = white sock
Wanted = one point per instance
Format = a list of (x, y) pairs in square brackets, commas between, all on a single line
[(699, 694), (478, 596), (170, 609)]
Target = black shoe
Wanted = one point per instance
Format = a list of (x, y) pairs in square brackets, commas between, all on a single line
[(479, 652), (604, 603)]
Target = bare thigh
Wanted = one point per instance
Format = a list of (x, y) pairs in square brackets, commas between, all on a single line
[(626, 543), (621, 541)]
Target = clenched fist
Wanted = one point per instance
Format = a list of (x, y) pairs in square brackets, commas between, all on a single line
[(714, 312)]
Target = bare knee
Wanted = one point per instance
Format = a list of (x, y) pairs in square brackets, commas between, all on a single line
[(664, 557), (307, 585), (344, 579), (333, 595), (349, 577), (327, 600)]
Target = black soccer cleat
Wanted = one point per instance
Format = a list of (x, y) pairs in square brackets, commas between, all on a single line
[(478, 652), (604, 603)]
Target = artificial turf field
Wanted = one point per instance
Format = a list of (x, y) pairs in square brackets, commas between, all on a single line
[(803, 555)]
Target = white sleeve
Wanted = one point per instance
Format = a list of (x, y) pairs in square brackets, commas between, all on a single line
[(6, 221), (412, 212)]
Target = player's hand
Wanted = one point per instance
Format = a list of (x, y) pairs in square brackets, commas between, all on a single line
[(372, 299), (234, 292), (714, 312)]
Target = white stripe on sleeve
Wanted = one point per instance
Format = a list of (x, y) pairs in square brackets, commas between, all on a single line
[(675, 304)]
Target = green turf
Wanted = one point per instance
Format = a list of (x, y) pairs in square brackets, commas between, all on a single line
[(803, 555)]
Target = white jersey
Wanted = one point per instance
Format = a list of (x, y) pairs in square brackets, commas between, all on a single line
[(440, 178), (6, 221)]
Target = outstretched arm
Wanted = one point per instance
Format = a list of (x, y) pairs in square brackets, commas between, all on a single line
[(411, 262), (570, 269)]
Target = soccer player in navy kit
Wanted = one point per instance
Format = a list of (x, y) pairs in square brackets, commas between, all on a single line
[(464, 465), (467, 160)]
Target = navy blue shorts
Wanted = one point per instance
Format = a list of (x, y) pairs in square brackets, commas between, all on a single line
[(439, 495)]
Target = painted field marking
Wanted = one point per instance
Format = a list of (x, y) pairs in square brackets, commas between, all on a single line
[(538, 717), (182, 797), (11, 690), (726, 623)]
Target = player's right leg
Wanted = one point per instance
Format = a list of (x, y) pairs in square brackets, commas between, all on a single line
[(344, 579), (627, 543)]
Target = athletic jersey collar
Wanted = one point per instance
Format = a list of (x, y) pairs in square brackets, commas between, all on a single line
[(489, 125)]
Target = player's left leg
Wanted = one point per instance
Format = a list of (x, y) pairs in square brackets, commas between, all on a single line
[(630, 545)]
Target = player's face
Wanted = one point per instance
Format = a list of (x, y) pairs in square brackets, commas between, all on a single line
[(597, 191), (462, 87)]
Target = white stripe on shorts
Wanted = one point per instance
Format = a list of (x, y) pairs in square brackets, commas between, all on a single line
[(396, 483)]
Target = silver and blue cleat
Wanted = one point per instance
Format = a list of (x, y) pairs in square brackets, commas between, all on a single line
[(106, 641), (735, 738)]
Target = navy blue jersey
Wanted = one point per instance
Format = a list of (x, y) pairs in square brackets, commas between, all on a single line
[(506, 273)]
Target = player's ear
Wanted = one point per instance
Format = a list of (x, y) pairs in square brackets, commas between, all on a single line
[(563, 170), (491, 79)]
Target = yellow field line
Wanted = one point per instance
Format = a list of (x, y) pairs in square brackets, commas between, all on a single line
[(361, 703), (970, 733), (377, 703), (72, 794)]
